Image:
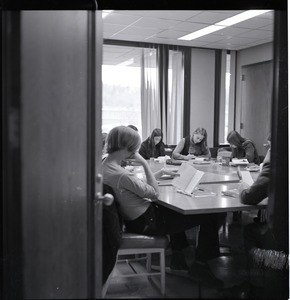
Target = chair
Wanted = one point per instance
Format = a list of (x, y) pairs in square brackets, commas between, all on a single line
[(135, 245)]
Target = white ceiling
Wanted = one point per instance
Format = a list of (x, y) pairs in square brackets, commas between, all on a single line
[(165, 27)]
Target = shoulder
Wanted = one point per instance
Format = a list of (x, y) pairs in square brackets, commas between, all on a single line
[(146, 142), (247, 143), (112, 170)]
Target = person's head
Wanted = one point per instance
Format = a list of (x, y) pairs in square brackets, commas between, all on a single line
[(156, 137), (235, 139), (123, 137), (133, 127), (199, 135)]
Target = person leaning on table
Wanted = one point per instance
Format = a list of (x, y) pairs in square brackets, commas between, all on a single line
[(243, 148), (142, 215), (192, 146), (153, 146)]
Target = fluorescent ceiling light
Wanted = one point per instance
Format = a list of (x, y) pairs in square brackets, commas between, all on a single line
[(222, 24), (201, 32), (241, 17), (105, 13)]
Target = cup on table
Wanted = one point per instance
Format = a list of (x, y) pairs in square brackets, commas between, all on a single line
[(226, 160)]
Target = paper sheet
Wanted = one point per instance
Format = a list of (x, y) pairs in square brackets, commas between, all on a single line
[(247, 177)]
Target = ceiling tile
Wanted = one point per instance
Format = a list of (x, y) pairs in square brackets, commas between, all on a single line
[(142, 31), (268, 27), (231, 31), (209, 17), (113, 28), (170, 34), (188, 27), (121, 19), (156, 23), (179, 15), (238, 41), (257, 34), (209, 38), (254, 23)]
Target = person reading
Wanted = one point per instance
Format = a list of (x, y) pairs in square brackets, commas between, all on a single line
[(243, 148), (153, 146)]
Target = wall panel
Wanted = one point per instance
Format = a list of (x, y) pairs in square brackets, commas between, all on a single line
[(202, 91)]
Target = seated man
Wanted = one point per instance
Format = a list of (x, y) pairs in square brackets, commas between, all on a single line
[(258, 237), (259, 190)]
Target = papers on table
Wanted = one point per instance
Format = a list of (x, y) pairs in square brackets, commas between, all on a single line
[(239, 162), (231, 193), (200, 161), (247, 178), (189, 178), (254, 168)]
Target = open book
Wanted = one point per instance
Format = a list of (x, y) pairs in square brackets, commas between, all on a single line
[(189, 178)]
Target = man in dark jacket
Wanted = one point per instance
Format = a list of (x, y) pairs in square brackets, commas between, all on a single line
[(259, 189)]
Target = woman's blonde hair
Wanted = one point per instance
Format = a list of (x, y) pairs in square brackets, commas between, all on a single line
[(123, 137)]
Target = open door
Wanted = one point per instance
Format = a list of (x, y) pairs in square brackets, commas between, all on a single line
[(52, 154)]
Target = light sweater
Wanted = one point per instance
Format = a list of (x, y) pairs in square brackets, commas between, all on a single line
[(133, 194)]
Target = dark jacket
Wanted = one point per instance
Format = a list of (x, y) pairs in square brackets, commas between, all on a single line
[(247, 150), (146, 150), (259, 189)]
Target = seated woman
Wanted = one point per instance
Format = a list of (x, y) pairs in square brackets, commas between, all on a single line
[(141, 213), (192, 146), (153, 146), (243, 148)]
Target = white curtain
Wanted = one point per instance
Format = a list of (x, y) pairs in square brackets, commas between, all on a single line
[(175, 98), (150, 104)]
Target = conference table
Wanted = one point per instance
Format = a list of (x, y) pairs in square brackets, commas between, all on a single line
[(216, 179)]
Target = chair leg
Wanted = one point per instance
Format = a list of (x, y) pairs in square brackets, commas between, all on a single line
[(162, 270), (197, 229), (148, 262)]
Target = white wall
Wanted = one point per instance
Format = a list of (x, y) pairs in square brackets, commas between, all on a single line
[(245, 57), (202, 91)]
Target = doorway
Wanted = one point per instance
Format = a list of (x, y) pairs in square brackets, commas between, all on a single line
[(257, 86)]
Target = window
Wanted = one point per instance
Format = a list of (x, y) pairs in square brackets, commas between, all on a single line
[(227, 95), (121, 77)]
